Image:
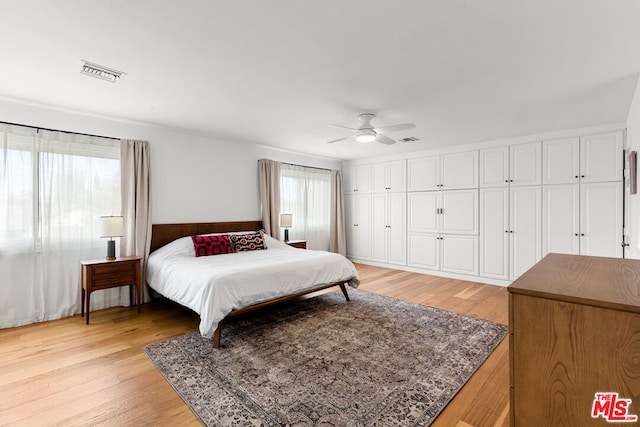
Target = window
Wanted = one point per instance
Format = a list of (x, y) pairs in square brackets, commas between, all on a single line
[(306, 194), (54, 187)]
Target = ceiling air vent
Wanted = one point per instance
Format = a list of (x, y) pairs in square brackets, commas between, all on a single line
[(409, 139), (100, 72)]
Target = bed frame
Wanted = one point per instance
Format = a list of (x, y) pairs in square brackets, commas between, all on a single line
[(161, 234)]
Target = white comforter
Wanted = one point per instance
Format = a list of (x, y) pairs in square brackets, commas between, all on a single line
[(213, 286)]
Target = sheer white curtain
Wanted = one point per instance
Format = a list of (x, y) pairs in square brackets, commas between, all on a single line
[(306, 194), (54, 187)]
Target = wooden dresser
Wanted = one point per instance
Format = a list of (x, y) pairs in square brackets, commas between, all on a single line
[(574, 324)]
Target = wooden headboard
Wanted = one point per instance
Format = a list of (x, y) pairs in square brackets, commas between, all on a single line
[(161, 234)]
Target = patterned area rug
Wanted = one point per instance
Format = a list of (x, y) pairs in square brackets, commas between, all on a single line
[(374, 361)]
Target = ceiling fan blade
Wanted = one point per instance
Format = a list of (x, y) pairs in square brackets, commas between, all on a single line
[(342, 127), (394, 128), (338, 140), (384, 140)]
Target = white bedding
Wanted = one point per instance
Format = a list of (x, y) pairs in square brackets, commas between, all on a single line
[(213, 286)]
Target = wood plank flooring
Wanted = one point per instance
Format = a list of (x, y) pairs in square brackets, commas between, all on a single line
[(63, 372)]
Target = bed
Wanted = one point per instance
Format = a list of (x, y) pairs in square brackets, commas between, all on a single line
[(220, 286)]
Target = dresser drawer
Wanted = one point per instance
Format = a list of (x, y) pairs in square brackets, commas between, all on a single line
[(112, 274)]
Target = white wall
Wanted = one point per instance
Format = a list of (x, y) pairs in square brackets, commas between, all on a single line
[(633, 200), (193, 178)]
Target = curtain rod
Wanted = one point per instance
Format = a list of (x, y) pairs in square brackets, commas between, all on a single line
[(303, 166), (58, 130)]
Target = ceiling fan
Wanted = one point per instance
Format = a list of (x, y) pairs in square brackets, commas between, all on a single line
[(367, 133)]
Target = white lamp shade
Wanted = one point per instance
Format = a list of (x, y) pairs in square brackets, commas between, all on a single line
[(286, 220), (111, 226)]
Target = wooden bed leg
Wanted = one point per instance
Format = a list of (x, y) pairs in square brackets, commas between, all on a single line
[(216, 335), (343, 288)]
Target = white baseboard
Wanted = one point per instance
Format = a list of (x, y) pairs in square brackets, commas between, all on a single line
[(468, 278)]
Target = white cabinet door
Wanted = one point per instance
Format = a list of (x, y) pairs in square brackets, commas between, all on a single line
[(356, 179), (447, 172), (601, 219), (397, 231), (561, 161), (459, 254), (357, 226), (388, 228), (494, 167), (459, 170), (494, 233), (459, 214), (397, 175), (561, 219), (423, 208), (388, 177), (348, 179), (525, 164), (363, 243), (601, 157), (379, 227), (379, 182), (424, 251), (350, 225), (525, 229), (363, 178), (423, 173)]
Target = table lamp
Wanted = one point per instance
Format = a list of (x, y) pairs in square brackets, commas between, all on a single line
[(286, 220), (111, 227)]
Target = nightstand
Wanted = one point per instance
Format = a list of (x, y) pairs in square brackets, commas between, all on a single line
[(300, 244), (101, 274)]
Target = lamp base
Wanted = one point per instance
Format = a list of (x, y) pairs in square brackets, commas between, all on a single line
[(286, 234), (111, 250)]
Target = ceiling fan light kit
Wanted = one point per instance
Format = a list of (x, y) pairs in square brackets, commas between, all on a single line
[(367, 133)]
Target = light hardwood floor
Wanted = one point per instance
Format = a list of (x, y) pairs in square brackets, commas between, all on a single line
[(66, 373)]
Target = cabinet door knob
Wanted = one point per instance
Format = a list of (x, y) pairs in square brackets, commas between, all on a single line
[(577, 176), (581, 176), (582, 234), (576, 234)]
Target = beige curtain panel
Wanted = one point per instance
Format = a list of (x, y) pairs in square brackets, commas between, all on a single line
[(269, 176), (337, 238), (136, 202)]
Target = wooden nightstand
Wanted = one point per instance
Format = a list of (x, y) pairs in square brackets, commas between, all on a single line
[(300, 244), (101, 274)]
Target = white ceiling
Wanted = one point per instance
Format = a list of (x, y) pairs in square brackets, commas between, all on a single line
[(278, 72)]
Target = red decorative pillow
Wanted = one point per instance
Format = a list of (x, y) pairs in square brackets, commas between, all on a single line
[(211, 245), (249, 241)]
